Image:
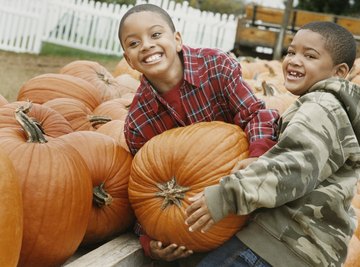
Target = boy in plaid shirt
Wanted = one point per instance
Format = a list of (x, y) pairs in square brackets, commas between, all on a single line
[(180, 86)]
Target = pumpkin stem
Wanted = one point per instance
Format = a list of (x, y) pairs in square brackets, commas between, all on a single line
[(101, 197), (103, 78), (268, 89), (96, 120), (171, 192), (33, 129), (271, 70)]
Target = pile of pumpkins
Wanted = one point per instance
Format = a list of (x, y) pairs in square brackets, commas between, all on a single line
[(67, 178)]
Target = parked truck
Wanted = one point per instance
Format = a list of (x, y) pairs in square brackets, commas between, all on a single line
[(259, 27)]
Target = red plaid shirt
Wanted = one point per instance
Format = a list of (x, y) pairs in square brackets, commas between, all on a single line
[(213, 90)]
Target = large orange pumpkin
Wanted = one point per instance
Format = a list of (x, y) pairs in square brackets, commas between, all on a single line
[(11, 213), (52, 123), (109, 165), (45, 87), (56, 192), (176, 165), (97, 75)]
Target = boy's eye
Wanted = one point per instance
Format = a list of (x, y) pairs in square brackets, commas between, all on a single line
[(156, 34), (133, 43), (310, 56), (290, 53)]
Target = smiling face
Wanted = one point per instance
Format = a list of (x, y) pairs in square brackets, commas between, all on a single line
[(307, 62), (151, 46)]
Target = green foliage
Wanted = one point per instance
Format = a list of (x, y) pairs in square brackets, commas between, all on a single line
[(49, 49), (120, 2), (216, 6), (220, 6), (337, 7)]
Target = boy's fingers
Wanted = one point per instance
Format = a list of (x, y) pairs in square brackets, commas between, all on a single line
[(200, 223), (208, 225)]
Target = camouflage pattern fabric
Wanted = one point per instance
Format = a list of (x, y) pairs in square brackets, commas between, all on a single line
[(300, 191)]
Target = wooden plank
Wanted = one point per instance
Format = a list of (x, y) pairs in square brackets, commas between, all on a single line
[(352, 24), (303, 17), (122, 251), (268, 16), (252, 36), (264, 14)]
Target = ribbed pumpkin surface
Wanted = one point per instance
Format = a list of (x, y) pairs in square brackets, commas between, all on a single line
[(196, 156), (11, 213)]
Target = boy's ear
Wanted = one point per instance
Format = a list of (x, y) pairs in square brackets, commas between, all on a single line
[(342, 70), (179, 41)]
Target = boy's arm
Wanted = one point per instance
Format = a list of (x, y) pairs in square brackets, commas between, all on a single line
[(286, 172), (250, 113)]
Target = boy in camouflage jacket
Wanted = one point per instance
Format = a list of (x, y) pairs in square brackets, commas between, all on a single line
[(299, 193)]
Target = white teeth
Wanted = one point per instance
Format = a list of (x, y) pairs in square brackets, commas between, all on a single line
[(152, 58), (295, 74)]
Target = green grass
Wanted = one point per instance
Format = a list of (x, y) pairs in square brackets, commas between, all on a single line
[(49, 49)]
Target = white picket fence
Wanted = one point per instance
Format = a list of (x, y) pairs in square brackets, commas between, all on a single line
[(93, 26)]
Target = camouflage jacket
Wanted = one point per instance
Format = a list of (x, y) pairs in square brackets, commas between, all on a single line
[(300, 191)]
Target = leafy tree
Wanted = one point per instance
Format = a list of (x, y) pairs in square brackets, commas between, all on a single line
[(220, 6), (216, 6), (337, 7), (121, 2)]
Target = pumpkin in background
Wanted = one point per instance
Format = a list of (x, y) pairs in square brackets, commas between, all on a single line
[(116, 109), (11, 213), (97, 75), (45, 87), (56, 192), (251, 67), (128, 83), (79, 116), (109, 165), (51, 122), (176, 165), (353, 257), (115, 129), (3, 101), (275, 99), (124, 68)]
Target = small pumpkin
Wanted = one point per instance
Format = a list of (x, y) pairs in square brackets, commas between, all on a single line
[(176, 165), (11, 213)]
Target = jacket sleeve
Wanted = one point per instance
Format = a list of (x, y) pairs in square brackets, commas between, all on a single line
[(293, 167)]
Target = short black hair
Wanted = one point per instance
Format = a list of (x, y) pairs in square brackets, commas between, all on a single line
[(150, 8), (339, 42)]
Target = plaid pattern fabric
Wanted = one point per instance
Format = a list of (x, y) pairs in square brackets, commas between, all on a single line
[(213, 89)]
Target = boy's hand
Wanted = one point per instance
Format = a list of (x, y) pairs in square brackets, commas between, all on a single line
[(242, 164), (169, 253), (199, 217)]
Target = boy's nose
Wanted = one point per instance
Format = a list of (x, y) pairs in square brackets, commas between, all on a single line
[(295, 60), (147, 44)]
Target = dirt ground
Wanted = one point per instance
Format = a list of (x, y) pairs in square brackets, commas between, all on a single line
[(17, 68)]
